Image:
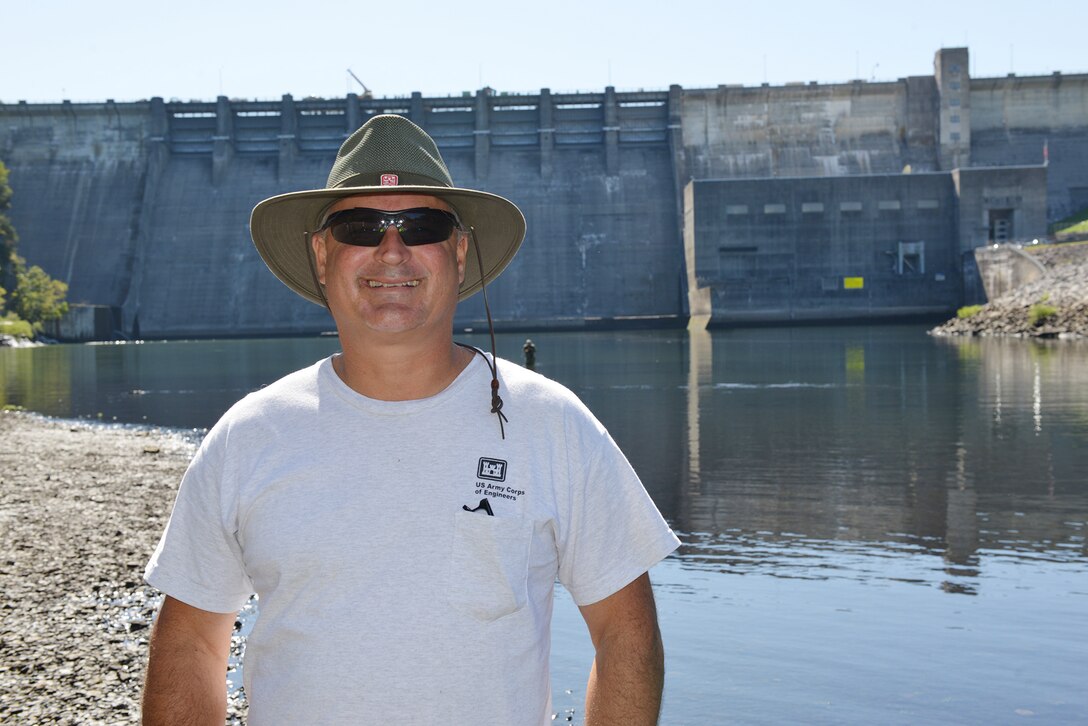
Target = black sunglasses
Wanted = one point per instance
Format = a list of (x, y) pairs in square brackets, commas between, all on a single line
[(365, 227)]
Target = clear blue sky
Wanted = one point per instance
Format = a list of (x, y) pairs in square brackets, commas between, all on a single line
[(198, 49)]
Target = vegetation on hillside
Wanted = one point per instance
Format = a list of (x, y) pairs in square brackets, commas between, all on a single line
[(968, 311), (8, 238), (34, 296), (1076, 224)]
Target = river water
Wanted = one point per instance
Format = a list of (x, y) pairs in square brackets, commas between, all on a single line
[(878, 526)]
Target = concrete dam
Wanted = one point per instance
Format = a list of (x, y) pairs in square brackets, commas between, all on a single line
[(733, 205)]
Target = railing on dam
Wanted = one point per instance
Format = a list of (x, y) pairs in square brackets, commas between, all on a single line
[(500, 121)]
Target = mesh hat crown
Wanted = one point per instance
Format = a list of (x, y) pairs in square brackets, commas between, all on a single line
[(387, 155), (384, 143)]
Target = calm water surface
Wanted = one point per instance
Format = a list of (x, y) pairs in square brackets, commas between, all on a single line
[(878, 526)]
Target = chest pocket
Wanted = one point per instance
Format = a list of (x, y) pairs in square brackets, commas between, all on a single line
[(489, 565)]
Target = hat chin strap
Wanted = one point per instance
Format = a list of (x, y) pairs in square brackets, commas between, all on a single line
[(496, 400)]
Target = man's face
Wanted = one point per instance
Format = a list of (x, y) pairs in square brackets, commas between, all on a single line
[(391, 288)]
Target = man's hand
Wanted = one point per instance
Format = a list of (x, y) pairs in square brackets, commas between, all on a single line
[(186, 672), (629, 669)]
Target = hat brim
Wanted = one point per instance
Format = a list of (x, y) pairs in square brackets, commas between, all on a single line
[(281, 226)]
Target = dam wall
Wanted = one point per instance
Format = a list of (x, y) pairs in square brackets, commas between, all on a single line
[(811, 129), (924, 123), (853, 247), (144, 206), (77, 172), (1019, 120)]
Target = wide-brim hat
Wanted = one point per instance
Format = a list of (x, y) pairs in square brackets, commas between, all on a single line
[(388, 154)]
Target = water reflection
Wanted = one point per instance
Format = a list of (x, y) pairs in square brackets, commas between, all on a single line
[(183, 384), (773, 450), (700, 375), (803, 444)]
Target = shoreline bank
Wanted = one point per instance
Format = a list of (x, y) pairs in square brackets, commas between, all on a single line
[(82, 506), (1054, 306)]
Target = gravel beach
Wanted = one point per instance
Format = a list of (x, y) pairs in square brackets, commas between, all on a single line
[(82, 506)]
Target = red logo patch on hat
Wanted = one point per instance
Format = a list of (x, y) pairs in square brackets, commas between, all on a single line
[(390, 180)]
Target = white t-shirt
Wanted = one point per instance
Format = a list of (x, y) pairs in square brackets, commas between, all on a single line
[(382, 598)]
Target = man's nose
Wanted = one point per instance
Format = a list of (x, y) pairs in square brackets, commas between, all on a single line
[(392, 250)]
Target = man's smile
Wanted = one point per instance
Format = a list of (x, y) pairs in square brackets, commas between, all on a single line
[(404, 283)]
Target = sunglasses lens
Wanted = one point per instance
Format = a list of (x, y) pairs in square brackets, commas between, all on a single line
[(365, 227), (421, 227), (355, 229)]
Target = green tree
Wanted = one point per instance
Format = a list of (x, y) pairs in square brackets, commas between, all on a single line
[(37, 296), (8, 238), (10, 324)]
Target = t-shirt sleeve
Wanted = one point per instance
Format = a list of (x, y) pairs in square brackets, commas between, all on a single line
[(198, 559), (614, 531)]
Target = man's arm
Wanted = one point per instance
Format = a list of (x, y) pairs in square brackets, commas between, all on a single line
[(629, 670), (186, 672)]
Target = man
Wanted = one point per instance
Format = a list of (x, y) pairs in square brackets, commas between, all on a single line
[(404, 507)]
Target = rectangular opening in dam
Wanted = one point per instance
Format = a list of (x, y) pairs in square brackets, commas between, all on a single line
[(912, 258), (1001, 230)]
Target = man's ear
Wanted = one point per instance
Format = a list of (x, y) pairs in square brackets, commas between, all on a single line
[(317, 243), (462, 255)]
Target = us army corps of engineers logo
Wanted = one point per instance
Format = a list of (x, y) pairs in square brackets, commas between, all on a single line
[(493, 469), (491, 480)]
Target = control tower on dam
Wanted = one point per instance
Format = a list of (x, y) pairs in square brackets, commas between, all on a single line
[(633, 199)]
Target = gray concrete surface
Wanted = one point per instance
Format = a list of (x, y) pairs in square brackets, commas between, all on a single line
[(144, 206)]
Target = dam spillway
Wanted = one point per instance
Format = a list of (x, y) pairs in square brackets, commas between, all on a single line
[(632, 198)]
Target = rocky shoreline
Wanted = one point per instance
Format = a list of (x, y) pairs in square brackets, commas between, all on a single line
[(1054, 306), (10, 341), (81, 508)]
